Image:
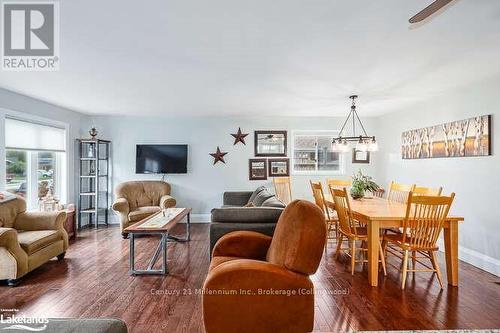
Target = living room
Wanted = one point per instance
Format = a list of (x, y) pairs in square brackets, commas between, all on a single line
[(235, 128)]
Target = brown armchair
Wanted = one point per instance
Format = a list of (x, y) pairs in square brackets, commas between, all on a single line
[(28, 239), (258, 283), (136, 200)]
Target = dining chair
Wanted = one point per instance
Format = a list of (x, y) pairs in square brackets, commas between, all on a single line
[(425, 216), (379, 193), (433, 192), (338, 183), (351, 230), (283, 189), (330, 216), (399, 192)]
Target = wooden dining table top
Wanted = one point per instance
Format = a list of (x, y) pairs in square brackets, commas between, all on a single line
[(382, 209)]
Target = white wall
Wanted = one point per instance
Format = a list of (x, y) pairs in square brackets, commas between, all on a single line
[(22, 106), (475, 180), (204, 184)]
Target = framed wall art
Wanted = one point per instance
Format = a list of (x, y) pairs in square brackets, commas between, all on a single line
[(468, 137), (279, 167), (270, 143), (359, 156), (257, 169)]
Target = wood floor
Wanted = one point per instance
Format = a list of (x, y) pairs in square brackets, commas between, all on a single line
[(93, 281)]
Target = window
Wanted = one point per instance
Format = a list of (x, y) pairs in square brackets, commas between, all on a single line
[(312, 153), (35, 160)]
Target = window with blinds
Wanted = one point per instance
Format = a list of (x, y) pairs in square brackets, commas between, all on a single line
[(35, 160)]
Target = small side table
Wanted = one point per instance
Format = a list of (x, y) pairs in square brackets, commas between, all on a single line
[(70, 224)]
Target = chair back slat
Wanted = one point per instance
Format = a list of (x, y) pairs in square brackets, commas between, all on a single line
[(319, 197), (283, 189), (425, 216), (399, 192), (344, 213)]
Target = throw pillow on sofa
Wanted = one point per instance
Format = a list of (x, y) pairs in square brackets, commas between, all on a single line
[(273, 202), (254, 194), (261, 197)]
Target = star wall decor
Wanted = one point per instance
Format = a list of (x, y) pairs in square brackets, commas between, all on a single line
[(218, 156), (239, 137)]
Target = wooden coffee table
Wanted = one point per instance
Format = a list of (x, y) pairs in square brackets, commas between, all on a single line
[(158, 224)]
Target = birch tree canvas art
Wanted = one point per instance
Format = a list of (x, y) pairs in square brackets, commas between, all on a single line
[(468, 137)]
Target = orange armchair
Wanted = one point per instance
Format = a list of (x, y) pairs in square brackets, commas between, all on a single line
[(258, 283)]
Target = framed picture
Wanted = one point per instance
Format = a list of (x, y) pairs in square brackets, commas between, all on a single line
[(270, 143), (257, 169), (359, 156), (279, 167), (461, 138)]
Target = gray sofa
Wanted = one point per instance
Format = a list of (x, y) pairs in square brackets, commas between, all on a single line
[(255, 211)]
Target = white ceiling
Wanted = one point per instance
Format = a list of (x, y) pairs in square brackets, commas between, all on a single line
[(262, 57)]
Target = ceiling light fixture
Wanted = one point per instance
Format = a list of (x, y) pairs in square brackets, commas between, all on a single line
[(364, 142)]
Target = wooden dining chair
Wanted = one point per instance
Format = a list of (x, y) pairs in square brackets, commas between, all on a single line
[(425, 216), (330, 216), (338, 183), (433, 192), (283, 189), (351, 230), (379, 193), (399, 192)]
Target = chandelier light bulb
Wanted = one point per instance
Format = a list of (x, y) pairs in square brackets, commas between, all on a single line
[(373, 145)]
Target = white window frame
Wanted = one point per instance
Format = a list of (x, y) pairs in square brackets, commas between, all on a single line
[(63, 163), (329, 133)]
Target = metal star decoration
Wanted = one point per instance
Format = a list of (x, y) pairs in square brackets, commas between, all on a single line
[(239, 137), (218, 156)]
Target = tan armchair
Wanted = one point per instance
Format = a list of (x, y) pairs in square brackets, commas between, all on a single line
[(136, 200), (258, 283), (28, 239)]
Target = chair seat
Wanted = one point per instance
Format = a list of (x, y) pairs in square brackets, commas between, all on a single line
[(217, 260), (142, 212), (33, 241), (398, 240)]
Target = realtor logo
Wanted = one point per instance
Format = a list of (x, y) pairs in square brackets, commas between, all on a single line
[(30, 37)]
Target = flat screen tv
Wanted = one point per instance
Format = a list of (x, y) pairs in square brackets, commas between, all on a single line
[(161, 159)]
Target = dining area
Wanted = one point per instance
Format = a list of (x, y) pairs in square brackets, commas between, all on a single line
[(408, 223)]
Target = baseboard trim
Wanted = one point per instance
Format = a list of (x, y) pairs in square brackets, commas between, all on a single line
[(480, 260)]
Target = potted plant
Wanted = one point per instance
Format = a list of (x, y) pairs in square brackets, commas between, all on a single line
[(362, 183)]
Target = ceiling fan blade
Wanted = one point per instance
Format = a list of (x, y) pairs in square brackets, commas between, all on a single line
[(429, 10)]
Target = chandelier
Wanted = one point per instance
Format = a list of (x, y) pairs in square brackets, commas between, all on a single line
[(364, 142)]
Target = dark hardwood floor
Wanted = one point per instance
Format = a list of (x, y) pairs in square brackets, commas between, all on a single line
[(93, 281)]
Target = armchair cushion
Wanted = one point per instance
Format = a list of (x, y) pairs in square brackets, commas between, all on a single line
[(142, 212), (243, 244), (33, 221), (33, 241), (247, 309)]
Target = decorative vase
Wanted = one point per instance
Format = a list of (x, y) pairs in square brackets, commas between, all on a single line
[(93, 132), (357, 193)]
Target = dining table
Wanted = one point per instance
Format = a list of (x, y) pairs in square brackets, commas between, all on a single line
[(379, 214)]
